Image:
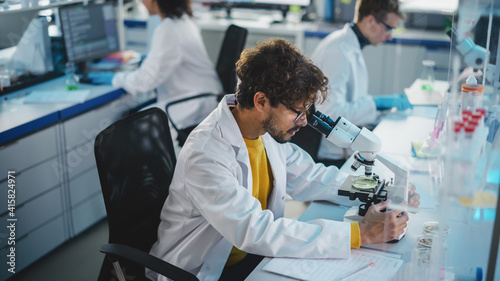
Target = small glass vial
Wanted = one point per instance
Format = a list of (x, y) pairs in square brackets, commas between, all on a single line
[(71, 81), (472, 94), (4, 77), (428, 75)]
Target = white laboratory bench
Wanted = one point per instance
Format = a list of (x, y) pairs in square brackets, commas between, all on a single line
[(213, 29), (49, 149), (391, 66), (468, 242)]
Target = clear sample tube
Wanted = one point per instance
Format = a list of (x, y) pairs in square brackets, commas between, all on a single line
[(472, 94)]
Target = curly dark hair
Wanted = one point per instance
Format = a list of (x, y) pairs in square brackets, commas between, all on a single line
[(175, 8), (278, 69)]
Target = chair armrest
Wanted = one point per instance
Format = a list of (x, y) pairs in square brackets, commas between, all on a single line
[(160, 266), (218, 96), (192, 98)]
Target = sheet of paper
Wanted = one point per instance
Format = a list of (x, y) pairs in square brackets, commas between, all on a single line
[(334, 269), (57, 96), (417, 96)]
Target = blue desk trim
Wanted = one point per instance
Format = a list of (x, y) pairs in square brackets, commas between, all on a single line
[(319, 34), (57, 116), (135, 23), (29, 127), (403, 41), (90, 104), (421, 42)]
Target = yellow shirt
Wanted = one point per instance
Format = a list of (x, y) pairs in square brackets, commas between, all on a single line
[(355, 235), (261, 186)]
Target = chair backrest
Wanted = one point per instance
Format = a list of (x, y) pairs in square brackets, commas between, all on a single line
[(232, 45), (135, 159), (308, 139), (231, 48)]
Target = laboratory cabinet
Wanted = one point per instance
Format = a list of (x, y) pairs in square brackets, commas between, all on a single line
[(136, 36), (35, 245), (213, 30), (86, 204), (58, 193), (212, 37), (38, 194)]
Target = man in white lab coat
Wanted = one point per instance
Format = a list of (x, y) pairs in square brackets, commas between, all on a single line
[(226, 201), (340, 58)]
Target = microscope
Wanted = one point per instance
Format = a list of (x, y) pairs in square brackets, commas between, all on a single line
[(369, 187)]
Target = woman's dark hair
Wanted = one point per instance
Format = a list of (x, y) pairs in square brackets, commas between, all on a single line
[(175, 8), (279, 70)]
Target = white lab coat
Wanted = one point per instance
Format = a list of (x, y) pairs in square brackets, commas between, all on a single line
[(177, 66), (210, 206), (340, 58)]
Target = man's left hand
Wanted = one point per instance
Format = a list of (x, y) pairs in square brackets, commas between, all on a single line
[(413, 197)]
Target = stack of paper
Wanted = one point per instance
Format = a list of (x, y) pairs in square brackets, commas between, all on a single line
[(385, 266), (418, 96)]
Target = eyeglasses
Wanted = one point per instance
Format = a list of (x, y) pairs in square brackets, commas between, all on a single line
[(388, 28), (299, 113)]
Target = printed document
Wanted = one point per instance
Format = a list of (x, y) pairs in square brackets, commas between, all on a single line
[(386, 265)]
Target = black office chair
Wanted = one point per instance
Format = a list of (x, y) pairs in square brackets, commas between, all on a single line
[(232, 46), (308, 139), (135, 159)]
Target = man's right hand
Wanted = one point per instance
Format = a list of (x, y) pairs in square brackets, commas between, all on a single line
[(378, 226)]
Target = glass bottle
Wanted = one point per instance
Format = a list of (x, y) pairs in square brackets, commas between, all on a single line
[(472, 94), (71, 81), (428, 75), (4, 77)]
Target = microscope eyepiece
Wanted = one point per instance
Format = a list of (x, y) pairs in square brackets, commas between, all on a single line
[(321, 123)]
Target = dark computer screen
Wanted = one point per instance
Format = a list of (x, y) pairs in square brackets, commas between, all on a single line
[(481, 35), (89, 31)]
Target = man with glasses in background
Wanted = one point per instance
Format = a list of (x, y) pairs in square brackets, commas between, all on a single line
[(225, 207), (340, 58)]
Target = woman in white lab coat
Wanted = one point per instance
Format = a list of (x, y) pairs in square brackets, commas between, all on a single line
[(177, 65), (211, 206)]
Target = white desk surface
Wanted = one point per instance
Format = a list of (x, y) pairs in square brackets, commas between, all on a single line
[(16, 116), (396, 131), (13, 111)]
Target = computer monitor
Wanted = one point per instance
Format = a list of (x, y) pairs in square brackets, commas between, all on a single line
[(89, 31)]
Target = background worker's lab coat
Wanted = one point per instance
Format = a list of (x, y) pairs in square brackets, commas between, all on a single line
[(340, 58), (210, 206), (177, 66)]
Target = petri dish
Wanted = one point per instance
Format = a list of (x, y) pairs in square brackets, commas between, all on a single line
[(424, 241), (433, 227), (364, 183)]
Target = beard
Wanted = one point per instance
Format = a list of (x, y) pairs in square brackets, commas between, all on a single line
[(278, 135)]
